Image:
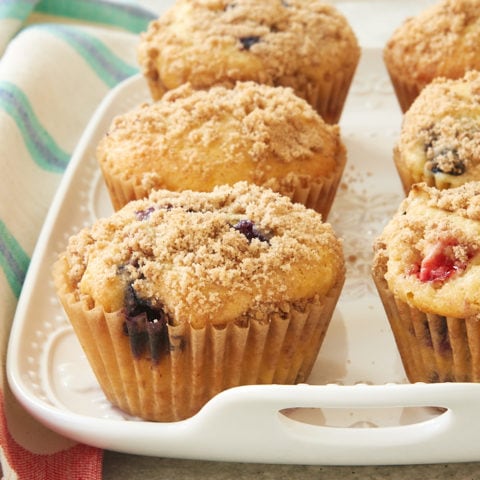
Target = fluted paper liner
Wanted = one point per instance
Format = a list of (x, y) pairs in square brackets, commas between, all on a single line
[(327, 95), (122, 191), (433, 348), (317, 194), (200, 363), (405, 91), (403, 172)]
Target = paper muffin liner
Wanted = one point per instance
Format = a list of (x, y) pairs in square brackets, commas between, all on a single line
[(329, 94), (196, 364), (317, 194), (433, 348), (122, 191), (406, 92), (156, 87), (404, 174)]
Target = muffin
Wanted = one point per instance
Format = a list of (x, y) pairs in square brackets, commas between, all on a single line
[(197, 139), (442, 41), (303, 44), (427, 271), (441, 146), (181, 295)]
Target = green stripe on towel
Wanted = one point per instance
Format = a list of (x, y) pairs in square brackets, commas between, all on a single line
[(43, 149), (16, 9), (130, 17), (110, 68), (13, 260)]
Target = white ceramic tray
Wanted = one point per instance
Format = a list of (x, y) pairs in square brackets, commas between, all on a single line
[(357, 408)]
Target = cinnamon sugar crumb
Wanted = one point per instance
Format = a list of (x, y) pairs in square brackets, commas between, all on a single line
[(205, 42), (288, 38), (452, 143), (196, 139), (445, 138), (257, 118), (440, 41), (181, 252)]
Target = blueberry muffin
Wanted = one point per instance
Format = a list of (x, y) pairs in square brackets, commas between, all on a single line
[(181, 295), (427, 271), (441, 146), (197, 139), (442, 41), (304, 44)]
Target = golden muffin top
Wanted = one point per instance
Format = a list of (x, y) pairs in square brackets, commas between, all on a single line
[(440, 135), (205, 257), (197, 139), (431, 248), (276, 42), (443, 41)]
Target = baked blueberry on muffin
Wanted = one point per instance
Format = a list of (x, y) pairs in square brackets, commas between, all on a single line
[(304, 44), (197, 139), (442, 41), (440, 145), (427, 271), (181, 295)]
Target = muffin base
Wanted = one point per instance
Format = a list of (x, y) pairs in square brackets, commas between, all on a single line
[(281, 348), (433, 348)]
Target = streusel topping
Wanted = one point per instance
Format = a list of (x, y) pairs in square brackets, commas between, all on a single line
[(272, 42), (196, 139), (206, 257), (441, 41), (444, 140)]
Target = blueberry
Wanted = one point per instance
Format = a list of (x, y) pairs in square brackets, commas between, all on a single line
[(455, 168), (145, 326), (247, 42), (144, 214), (249, 229), (443, 159)]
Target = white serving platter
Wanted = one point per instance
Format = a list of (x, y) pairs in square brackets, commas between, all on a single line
[(357, 407)]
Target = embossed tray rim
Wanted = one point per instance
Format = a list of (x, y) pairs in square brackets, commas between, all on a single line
[(357, 407)]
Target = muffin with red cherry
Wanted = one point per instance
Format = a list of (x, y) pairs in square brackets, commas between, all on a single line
[(427, 271)]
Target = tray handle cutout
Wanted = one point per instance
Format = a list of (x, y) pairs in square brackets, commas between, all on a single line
[(443, 418)]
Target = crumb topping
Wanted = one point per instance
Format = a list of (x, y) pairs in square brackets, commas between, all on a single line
[(444, 139), (189, 254), (463, 200), (268, 41), (194, 139), (432, 246), (440, 41), (452, 145)]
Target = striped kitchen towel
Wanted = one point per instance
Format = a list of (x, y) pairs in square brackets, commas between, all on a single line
[(58, 59)]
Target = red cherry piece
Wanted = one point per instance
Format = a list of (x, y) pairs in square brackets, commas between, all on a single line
[(440, 262)]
